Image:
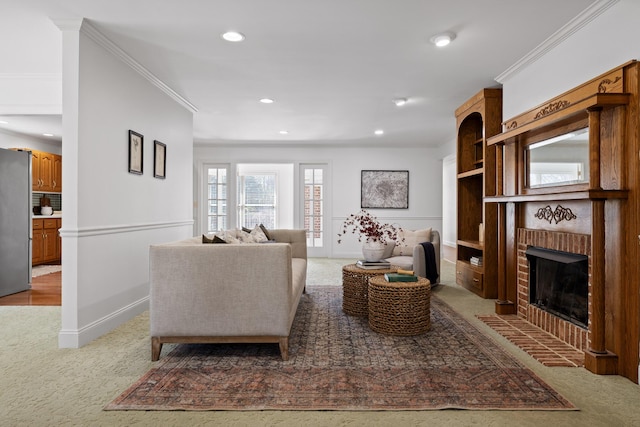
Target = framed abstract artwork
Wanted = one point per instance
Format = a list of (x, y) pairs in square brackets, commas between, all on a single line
[(383, 189)]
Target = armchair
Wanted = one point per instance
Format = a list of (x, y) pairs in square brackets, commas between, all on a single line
[(410, 254)]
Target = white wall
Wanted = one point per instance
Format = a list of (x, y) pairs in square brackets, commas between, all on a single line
[(111, 216), (10, 139), (449, 201), (345, 165), (608, 41)]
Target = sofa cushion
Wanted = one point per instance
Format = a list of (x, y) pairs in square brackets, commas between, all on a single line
[(411, 238), (402, 262)]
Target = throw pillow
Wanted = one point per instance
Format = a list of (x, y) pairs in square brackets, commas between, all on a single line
[(265, 231), (388, 249), (215, 239), (244, 236), (258, 235), (411, 238), (229, 236)]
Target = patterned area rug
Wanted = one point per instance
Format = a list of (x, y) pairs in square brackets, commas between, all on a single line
[(337, 363)]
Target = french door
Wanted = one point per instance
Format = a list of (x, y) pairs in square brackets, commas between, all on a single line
[(314, 206)]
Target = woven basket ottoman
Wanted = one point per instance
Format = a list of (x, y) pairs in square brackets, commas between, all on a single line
[(399, 308), (355, 286)]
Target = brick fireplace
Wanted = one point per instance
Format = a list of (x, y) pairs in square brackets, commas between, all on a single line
[(566, 331), (567, 180)]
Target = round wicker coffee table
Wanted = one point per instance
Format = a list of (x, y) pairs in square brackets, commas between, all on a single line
[(355, 286), (399, 308)]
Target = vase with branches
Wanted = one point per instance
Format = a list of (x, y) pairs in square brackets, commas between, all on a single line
[(372, 232)]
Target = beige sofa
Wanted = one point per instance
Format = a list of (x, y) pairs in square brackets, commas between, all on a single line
[(226, 293)]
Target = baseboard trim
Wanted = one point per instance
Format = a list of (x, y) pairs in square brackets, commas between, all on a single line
[(76, 338)]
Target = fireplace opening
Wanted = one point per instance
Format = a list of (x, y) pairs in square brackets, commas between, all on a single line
[(559, 283)]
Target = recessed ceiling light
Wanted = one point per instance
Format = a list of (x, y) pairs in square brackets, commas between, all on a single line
[(233, 36), (284, 132), (379, 132), (266, 101), (443, 39), (47, 134), (2, 122), (400, 101)]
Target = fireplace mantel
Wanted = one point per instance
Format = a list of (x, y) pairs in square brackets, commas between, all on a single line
[(602, 212)]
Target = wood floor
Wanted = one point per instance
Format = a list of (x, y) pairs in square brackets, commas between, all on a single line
[(45, 290)]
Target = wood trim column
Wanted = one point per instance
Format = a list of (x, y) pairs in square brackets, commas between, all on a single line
[(594, 148), (597, 358), (504, 304)]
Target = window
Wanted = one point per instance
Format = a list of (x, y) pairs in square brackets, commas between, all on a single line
[(257, 200), (217, 186)]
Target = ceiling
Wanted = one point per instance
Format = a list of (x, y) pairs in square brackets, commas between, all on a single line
[(333, 67)]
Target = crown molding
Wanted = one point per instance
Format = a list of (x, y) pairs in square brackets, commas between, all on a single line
[(585, 17), (85, 27)]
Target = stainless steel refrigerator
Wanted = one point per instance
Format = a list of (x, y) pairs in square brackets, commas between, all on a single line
[(15, 221)]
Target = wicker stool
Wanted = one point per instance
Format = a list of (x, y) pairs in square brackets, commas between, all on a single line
[(355, 285), (399, 308)]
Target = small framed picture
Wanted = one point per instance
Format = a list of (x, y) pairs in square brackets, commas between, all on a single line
[(159, 159), (136, 145)]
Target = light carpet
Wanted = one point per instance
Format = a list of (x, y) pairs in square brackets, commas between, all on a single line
[(338, 363)]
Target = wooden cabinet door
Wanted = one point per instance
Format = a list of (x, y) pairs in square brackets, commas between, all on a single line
[(50, 233), (35, 170), (56, 183), (46, 171), (37, 243), (50, 247)]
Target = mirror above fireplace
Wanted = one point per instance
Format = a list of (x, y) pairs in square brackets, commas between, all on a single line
[(561, 160)]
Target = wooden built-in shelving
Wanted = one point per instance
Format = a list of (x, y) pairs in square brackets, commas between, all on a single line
[(477, 119)]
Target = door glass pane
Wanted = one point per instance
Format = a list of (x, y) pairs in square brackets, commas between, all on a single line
[(217, 199), (313, 206)]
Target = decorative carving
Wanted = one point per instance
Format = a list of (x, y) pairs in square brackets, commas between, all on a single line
[(559, 214), (512, 125), (552, 108), (602, 87)]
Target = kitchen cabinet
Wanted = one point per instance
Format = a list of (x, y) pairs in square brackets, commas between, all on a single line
[(37, 242), (46, 244), (46, 169), (57, 174)]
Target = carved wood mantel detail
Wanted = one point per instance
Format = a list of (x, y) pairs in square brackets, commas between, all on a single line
[(552, 108), (559, 214), (607, 83)]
